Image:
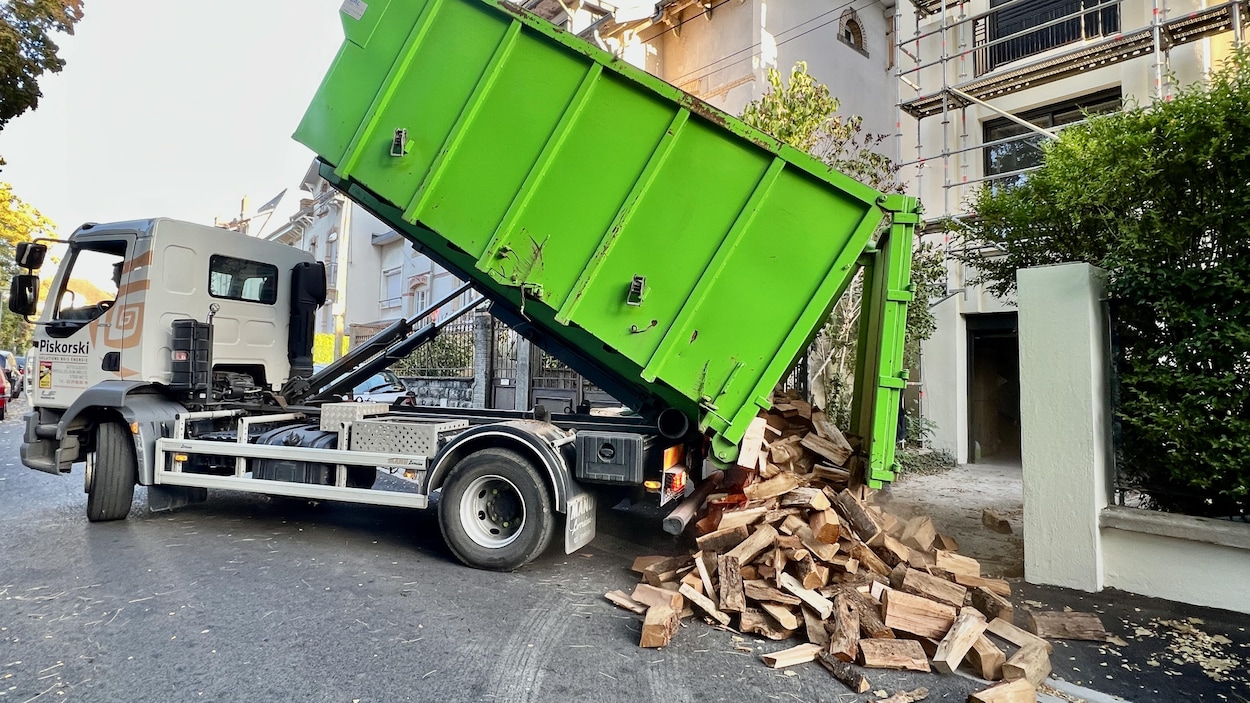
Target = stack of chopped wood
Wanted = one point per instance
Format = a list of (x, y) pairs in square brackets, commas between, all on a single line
[(791, 548)]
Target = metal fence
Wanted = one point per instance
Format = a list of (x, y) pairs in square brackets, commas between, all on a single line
[(449, 355)]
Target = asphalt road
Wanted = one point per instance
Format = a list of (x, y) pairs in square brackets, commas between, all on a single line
[(242, 598)]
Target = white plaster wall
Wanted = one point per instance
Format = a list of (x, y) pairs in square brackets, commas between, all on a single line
[(715, 58), (1176, 569), (1065, 423), (724, 59), (807, 30)]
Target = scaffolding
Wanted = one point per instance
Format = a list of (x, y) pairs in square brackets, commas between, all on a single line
[(977, 68)]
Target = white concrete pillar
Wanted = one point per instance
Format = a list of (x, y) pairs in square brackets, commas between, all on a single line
[(1065, 423)]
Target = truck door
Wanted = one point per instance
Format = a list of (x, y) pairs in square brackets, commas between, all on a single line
[(92, 329)]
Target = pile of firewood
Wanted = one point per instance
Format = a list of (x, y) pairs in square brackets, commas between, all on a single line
[(791, 548)]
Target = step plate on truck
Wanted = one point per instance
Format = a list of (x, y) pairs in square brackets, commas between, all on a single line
[(687, 256)]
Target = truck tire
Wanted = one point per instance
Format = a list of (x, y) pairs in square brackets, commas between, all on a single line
[(111, 486), (495, 511)]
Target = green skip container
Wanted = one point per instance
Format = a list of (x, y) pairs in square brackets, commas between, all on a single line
[(675, 256)]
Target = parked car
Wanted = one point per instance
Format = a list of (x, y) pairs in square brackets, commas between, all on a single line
[(382, 387), (12, 373), (4, 395)]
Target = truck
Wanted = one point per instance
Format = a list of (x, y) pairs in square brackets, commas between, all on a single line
[(676, 257)]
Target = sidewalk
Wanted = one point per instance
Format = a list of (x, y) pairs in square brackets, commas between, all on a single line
[(1166, 651)]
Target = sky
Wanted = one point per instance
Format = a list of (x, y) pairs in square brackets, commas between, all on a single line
[(170, 108)]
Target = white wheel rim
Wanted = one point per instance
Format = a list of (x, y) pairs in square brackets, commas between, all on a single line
[(492, 511)]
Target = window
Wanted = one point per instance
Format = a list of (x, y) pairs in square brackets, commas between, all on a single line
[(851, 32), (1020, 147), (1087, 19), (392, 289), (420, 299), (91, 281), (240, 279)]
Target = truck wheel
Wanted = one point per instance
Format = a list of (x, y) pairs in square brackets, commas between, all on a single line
[(111, 485), (495, 511)]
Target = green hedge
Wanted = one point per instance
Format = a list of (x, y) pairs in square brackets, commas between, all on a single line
[(1160, 197)]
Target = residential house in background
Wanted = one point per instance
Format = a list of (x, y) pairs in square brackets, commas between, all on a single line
[(374, 276), (967, 88), (982, 84)]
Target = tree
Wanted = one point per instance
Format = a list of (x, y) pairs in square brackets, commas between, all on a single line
[(1157, 196), (27, 49), (19, 222), (803, 113)]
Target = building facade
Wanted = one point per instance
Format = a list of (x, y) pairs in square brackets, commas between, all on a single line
[(968, 89), (981, 85), (373, 274)]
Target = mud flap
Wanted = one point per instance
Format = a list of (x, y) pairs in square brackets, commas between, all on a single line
[(162, 498), (579, 519)]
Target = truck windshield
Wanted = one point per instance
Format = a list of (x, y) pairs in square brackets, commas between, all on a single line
[(90, 284)]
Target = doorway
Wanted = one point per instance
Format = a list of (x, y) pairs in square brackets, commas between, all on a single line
[(993, 388)]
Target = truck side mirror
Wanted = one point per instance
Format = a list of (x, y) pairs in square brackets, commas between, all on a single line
[(24, 293), (30, 255)]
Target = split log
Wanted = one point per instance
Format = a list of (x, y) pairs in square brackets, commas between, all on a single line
[(843, 628), (906, 655), (732, 598), (919, 533), (1009, 692), (992, 604), (856, 515), (783, 615), (760, 591), (761, 623), (752, 442), (694, 581), (838, 454), (919, 616), (811, 574), (846, 673), (659, 626), (651, 596), (999, 586), (705, 574), (822, 551), (955, 645), (987, 659), (813, 599), (892, 551), (870, 622), (995, 522), (778, 485), (754, 545), (1067, 626), (1015, 635), (660, 572), (829, 431), (801, 654), (1032, 662), (946, 542), (786, 450), (825, 526), (931, 587), (868, 558), (815, 626), (807, 498), (831, 474), (623, 601), (704, 604), (957, 563), (791, 523), (741, 516)]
